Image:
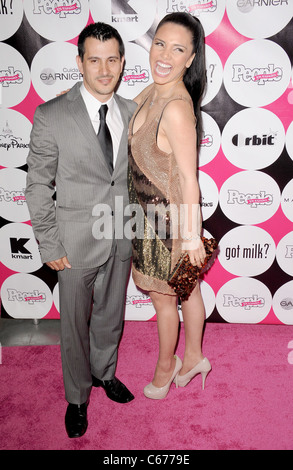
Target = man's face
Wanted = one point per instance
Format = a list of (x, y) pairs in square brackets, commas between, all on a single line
[(101, 67)]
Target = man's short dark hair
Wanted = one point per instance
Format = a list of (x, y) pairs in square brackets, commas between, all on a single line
[(101, 31)]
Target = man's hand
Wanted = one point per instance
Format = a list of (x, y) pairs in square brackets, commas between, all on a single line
[(59, 264)]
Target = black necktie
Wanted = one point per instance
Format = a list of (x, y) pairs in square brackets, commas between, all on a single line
[(104, 137)]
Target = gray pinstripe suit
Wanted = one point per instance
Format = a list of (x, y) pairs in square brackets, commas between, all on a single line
[(64, 149)]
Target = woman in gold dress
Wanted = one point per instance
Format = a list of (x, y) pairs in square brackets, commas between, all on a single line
[(163, 143)]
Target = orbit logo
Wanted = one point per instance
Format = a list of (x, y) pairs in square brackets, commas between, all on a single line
[(57, 20), (257, 73), (253, 139), (210, 12), (266, 139), (259, 18), (243, 300), (131, 18), (26, 296)]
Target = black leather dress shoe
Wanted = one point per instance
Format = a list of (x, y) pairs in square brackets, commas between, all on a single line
[(115, 390), (76, 420)]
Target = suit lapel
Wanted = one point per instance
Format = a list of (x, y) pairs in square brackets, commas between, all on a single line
[(79, 113), (123, 142)]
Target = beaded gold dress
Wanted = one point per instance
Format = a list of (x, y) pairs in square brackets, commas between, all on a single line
[(153, 183)]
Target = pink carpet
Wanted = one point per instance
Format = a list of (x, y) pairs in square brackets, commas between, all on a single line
[(247, 403)]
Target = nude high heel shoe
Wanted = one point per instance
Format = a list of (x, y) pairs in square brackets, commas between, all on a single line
[(203, 368), (157, 393)]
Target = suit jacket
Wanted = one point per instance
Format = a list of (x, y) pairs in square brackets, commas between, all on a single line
[(65, 154)]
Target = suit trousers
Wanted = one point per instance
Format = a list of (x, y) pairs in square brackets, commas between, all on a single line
[(92, 307)]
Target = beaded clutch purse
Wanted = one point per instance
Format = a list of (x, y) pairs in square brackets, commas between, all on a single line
[(184, 276)]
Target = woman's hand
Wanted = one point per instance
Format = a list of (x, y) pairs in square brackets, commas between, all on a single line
[(196, 251)]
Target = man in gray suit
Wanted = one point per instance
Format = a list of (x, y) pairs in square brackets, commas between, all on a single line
[(70, 149)]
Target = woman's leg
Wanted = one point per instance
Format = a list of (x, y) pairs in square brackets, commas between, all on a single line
[(167, 324), (193, 313)]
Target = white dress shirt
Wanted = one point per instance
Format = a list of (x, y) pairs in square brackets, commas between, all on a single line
[(113, 118)]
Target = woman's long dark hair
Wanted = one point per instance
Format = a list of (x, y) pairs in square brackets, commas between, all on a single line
[(195, 76)]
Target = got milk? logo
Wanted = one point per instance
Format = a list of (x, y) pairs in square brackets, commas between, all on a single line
[(247, 251)]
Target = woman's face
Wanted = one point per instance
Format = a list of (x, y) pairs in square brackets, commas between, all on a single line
[(171, 53)]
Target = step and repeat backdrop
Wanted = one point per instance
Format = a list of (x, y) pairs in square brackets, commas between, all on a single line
[(246, 149)]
